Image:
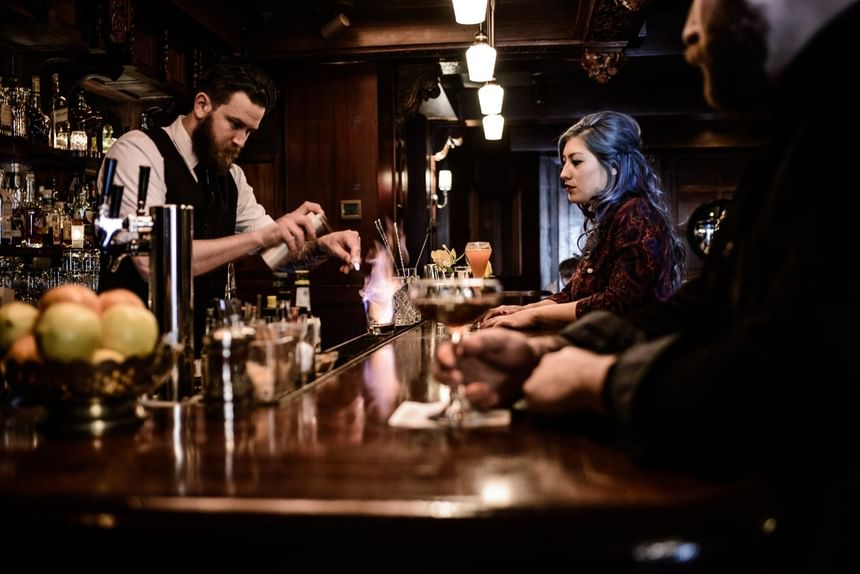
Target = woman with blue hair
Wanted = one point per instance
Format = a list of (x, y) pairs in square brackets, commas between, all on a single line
[(632, 255)]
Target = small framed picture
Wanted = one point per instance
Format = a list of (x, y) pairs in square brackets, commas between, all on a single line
[(350, 209)]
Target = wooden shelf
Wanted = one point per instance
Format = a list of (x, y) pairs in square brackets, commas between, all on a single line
[(20, 149), (53, 251)]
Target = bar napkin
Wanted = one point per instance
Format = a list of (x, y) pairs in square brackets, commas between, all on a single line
[(416, 415)]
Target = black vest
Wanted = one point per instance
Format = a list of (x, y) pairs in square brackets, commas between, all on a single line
[(214, 198)]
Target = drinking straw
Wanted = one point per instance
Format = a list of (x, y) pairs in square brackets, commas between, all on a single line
[(423, 245), (379, 228), (399, 247)]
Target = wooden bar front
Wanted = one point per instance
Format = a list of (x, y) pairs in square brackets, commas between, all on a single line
[(323, 474)]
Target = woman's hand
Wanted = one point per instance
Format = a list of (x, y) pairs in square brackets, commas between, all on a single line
[(500, 310), (522, 319)]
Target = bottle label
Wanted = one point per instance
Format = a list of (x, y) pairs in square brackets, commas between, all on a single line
[(6, 118), (61, 115), (5, 216), (303, 298), (61, 140)]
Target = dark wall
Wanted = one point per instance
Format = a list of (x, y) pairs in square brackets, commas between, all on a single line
[(325, 149)]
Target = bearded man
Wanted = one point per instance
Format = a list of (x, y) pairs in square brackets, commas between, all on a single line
[(191, 163)]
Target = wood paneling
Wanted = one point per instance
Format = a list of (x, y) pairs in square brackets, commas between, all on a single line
[(332, 141), (328, 123)]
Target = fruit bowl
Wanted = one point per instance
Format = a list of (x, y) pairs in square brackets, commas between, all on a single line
[(90, 397)]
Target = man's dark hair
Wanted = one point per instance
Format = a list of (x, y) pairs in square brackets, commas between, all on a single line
[(568, 266), (221, 81)]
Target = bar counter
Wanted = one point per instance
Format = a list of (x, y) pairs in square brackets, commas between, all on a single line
[(323, 474)]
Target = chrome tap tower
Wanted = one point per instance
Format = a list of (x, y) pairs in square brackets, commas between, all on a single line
[(166, 234)]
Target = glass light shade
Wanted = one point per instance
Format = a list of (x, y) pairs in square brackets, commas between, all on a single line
[(493, 127), (490, 96), (470, 11), (481, 60), (445, 179)]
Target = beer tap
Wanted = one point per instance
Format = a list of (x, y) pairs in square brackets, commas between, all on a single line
[(137, 227)]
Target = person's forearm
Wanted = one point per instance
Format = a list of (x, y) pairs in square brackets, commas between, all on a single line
[(209, 254), (541, 303), (556, 314)]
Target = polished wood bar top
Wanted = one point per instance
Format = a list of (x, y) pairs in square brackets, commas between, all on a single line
[(328, 452)]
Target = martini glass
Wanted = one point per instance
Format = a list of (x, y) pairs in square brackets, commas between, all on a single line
[(456, 303)]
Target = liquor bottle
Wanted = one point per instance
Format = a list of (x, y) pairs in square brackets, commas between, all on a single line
[(68, 218), (38, 122), (50, 216), (108, 138), (15, 192), (269, 313), (5, 211), (80, 207), (5, 110), (31, 214), (303, 292), (79, 119), (20, 106), (59, 116), (60, 223)]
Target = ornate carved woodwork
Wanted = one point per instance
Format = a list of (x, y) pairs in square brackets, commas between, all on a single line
[(602, 63)]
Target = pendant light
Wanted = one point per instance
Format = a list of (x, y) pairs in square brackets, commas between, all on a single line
[(481, 59), (493, 127), (470, 11), (490, 97)]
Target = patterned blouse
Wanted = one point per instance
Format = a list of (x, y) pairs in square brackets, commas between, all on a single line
[(627, 265)]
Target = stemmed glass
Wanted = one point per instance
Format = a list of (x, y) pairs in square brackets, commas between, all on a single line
[(478, 254), (456, 303)]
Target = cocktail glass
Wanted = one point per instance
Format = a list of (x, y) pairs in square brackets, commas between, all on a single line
[(456, 303), (478, 253)]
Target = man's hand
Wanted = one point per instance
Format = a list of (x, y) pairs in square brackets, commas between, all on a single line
[(492, 364), (294, 228), (345, 245), (568, 380)]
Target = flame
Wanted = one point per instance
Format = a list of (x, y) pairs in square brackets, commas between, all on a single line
[(379, 288)]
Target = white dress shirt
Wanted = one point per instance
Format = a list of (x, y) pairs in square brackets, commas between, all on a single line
[(135, 149)]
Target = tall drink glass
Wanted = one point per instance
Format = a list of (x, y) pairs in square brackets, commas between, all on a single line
[(478, 253)]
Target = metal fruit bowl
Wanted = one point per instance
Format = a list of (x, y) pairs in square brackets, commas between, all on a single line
[(51, 383)]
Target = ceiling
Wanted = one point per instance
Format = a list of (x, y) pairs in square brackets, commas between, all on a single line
[(540, 46)]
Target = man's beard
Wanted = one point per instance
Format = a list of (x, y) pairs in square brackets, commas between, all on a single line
[(207, 151), (734, 57)]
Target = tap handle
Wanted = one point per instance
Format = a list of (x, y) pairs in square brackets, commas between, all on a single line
[(116, 192), (142, 187), (107, 183)]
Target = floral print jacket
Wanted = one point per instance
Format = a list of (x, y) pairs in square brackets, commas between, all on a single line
[(627, 264)]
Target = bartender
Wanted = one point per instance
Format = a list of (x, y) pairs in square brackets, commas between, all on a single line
[(191, 163)]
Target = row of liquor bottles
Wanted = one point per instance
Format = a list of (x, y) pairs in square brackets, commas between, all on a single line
[(79, 128), (43, 216)]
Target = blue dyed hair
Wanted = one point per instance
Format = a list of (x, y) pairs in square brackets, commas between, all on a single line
[(614, 139)]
